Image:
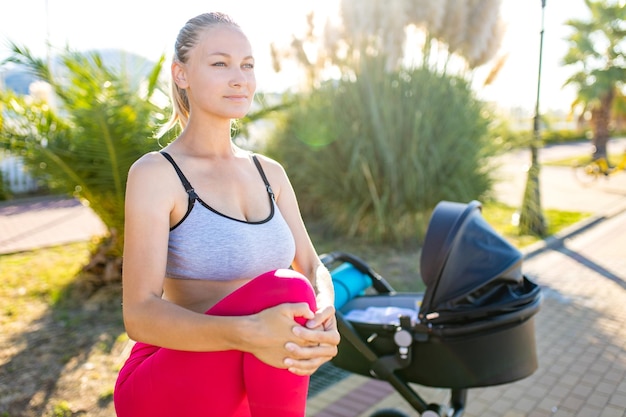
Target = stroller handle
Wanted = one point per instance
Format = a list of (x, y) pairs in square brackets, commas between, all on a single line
[(378, 282)]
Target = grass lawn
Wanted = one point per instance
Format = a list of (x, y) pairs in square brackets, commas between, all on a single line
[(500, 216), (61, 354)]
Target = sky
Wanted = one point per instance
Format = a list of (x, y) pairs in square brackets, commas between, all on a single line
[(149, 28)]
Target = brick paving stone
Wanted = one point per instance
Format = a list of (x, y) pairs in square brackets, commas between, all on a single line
[(564, 413), (618, 400), (536, 392), (583, 390), (570, 379), (573, 402), (525, 404), (539, 413), (605, 387), (549, 403), (611, 411), (514, 413), (477, 406), (597, 399), (588, 411)]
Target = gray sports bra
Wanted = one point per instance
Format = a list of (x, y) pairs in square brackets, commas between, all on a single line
[(209, 245)]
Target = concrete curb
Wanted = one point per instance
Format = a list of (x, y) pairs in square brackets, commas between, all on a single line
[(556, 240)]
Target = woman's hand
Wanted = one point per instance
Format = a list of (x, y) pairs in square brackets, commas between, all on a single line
[(321, 338), (270, 332), (276, 339)]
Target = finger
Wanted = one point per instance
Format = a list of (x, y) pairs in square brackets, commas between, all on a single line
[(321, 316), (306, 367), (329, 323), (298, 352), (329, 336), (300, 310)]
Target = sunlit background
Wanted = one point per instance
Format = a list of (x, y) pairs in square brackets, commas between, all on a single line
[(149, 28)]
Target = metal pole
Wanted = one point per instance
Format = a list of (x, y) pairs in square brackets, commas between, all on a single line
[(531, 220), (536, 135)]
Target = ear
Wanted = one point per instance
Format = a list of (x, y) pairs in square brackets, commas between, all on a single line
[(179, 75)]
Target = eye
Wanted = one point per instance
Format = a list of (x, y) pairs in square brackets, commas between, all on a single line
[(219, 64), (248, 65)]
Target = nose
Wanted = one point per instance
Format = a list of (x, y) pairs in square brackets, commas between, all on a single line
[(238, 78)]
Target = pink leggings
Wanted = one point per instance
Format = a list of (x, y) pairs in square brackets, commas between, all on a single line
[(160, 382)]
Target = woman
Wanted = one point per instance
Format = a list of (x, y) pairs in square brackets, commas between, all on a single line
[(224, 293)]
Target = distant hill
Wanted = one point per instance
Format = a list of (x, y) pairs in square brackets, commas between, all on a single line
[(137, 67), (16, 80)]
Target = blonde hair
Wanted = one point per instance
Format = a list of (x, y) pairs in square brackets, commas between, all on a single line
[(186, 40)]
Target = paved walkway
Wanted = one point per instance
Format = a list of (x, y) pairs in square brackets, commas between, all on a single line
[(42, 222), (580, 329)]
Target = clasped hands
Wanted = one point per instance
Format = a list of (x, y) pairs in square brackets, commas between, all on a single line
[(301, 349), (321, 339)]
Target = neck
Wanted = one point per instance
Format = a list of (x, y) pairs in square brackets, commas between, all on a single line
[(208, 140)]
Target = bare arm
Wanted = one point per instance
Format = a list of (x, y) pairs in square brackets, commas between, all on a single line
[(150, 197)]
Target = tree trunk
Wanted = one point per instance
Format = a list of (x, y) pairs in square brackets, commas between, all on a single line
[(601, 119), (531, 220)]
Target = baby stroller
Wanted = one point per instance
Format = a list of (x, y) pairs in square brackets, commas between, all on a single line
[(472, 327)]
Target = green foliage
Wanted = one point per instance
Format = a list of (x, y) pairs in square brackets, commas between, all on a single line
[(62, 409), (522, 138), (4, 192), (596, 54), (84, 145), (372, 157), (553, 137), (505, 138)]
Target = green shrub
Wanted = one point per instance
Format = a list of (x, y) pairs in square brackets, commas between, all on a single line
[(4, 192), (551, 137), (371, 157)]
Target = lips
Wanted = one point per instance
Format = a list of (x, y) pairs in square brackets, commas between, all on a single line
[(237, 97)]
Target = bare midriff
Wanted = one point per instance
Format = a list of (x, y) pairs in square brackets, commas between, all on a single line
[(198, 295)]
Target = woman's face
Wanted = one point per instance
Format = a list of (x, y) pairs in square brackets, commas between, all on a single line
[(219, 74)]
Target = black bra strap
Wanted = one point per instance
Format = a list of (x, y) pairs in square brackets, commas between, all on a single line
[(192, 193), (183, 179), (267, 183)]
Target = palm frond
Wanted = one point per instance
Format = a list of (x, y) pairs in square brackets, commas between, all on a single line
[(87, 144)]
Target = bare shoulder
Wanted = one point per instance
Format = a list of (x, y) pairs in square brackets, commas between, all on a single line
[(151, 177), (272, 167), (152, 169), (148, 164)]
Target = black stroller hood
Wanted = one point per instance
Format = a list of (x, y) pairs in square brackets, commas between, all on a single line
[(469, 270)]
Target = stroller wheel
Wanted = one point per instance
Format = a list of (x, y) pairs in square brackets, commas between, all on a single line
[(388, 412), (434, 410)]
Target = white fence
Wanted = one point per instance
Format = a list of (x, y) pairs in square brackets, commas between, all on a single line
[(14, 177)]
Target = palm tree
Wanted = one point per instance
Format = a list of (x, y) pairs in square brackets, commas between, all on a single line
[(83, 143), (596, 49)]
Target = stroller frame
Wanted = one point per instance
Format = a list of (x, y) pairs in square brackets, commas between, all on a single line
[(385, 367), (474, 325)]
